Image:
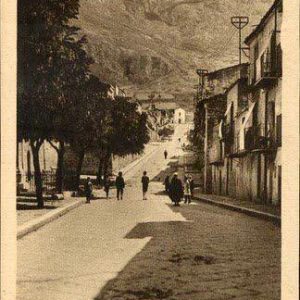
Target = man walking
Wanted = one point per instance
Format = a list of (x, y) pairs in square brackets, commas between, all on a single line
[(145, 183), (88, 190), (187, 190), (120, 185), (166, 154), (176, 190)]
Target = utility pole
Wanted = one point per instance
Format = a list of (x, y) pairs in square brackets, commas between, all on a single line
[(240, 22), (201, 73)]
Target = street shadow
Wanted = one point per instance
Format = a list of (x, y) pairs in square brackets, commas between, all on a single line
[(24, 206), (161, 193), (189, 260), (98, 198), (169, 171)]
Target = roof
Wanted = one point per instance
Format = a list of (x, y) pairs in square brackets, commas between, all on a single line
[(263, 21), (238, 66)]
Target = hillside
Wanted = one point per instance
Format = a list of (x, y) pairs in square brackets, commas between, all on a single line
[(156, 45)]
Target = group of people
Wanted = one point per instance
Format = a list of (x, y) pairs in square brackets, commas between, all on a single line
[(120, 186), (174, 187), (178, 190)]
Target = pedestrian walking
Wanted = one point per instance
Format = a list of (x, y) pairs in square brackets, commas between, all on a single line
[(176, 190), (187, 190), (167, 183), (120, 185), (145, 183), (166, 154), (107, 184), (88, 189)]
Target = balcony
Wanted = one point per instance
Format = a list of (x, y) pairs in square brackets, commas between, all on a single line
[(258, 138), (268, 68)]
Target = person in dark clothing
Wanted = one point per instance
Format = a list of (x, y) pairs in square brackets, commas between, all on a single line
[(145, 183), (167, 183), (88, 190), (166, 154), (120, 185), (107, 184), (176, 190)]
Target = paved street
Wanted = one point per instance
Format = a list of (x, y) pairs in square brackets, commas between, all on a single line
[(135, 249)]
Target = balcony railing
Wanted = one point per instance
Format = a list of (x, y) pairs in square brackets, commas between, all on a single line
[(268, 68), (258, 137)]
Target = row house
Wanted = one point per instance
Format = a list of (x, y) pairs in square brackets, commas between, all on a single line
[(210, 110), (245, 152)]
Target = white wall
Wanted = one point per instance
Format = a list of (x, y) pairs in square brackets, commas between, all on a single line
[(179, 116)]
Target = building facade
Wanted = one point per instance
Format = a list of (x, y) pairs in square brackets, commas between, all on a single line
[(25, 168), (179, 116), (243, 147)]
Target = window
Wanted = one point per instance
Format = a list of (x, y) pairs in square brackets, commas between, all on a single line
[(279, 130), (279, 60)]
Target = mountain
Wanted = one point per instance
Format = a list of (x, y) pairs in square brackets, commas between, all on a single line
[(156, 45)]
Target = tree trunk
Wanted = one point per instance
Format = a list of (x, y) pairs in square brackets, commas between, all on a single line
[(106, 164), (60, 167), (78, 169), (37, 173), (100, 171)]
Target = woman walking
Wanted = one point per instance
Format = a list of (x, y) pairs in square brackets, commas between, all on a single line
[(176, 190)]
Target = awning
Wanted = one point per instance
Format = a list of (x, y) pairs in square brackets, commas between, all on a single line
[(242, 130), (221, 129), (228, 109)]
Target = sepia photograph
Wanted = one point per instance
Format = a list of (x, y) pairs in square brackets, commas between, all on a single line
[(148, 150)]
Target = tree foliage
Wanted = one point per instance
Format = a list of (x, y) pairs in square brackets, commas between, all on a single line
[(47, 51)]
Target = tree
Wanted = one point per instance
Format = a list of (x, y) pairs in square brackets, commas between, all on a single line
[(93, 125), (128, 132), (41, 29), (74, 70)]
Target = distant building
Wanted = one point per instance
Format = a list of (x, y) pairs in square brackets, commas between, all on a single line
[(189, 117), (179, 116)]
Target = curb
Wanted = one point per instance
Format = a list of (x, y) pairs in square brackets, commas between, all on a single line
[(45, 219), (250, 212)]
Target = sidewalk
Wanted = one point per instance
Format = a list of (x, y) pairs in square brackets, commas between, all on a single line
[(31, 218), (27, 209), (266, 212)]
